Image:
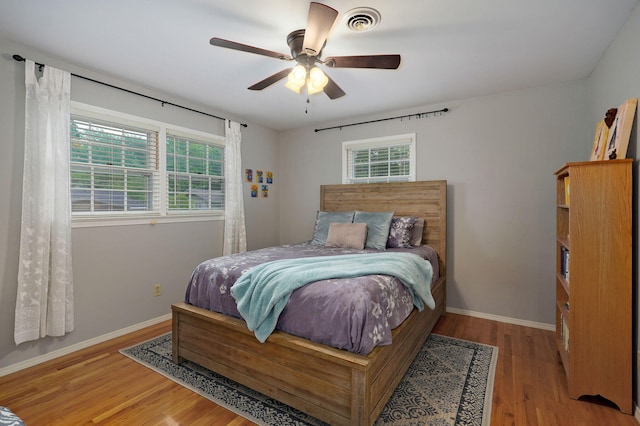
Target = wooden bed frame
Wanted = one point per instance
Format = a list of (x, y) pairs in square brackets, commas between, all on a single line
[(336, 386)]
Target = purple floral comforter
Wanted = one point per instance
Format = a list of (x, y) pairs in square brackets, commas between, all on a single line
[(355, 314)]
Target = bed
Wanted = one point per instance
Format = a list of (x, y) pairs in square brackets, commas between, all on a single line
[(333, 385)]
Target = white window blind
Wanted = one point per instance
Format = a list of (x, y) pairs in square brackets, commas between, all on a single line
[(114, 168), (388, 159), (195, 174)]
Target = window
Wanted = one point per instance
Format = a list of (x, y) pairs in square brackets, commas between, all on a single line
[(113, 167), (195, 174), (124, 166), (388, 159)]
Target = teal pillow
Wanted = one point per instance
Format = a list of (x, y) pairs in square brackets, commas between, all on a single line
[(378, 224), (323, 220)]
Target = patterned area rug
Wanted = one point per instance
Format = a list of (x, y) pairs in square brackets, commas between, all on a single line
[(7, 418), (450, 382)]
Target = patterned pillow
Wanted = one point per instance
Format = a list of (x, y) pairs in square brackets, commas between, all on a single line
[(401, 231)]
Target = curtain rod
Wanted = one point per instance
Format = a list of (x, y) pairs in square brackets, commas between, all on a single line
[(21, 59), (418, 115)]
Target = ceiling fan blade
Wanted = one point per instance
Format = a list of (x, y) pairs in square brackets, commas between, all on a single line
[(332, 90), (319, 25), (220, 42), (390, 62), (271, 79)]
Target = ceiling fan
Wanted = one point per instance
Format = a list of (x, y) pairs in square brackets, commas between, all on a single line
[(306, 49)]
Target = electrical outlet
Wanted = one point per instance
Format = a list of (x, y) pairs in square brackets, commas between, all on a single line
[(157, 290)]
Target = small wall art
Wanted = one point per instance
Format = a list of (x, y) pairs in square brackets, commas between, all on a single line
[(260, 182)]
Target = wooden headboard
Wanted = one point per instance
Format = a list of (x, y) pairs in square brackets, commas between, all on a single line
[(425, 199)]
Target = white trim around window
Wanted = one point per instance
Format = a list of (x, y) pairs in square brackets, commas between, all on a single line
[(162, 214), (384, 159)]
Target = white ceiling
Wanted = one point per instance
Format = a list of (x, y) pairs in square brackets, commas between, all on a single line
[(451, 49)]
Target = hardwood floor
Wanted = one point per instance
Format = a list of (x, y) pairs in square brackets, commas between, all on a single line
[(98, 385)]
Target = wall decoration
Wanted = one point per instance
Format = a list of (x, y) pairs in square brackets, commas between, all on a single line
[(620, 130), (262, 179), (599, 141)]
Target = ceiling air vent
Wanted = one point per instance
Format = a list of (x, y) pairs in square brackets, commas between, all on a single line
[(362, 19)]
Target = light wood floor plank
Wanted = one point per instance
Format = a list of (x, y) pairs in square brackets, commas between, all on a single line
[(98, 385)]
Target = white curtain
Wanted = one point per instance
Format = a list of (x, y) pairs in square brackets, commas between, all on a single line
[(235, 234), (44, 304)]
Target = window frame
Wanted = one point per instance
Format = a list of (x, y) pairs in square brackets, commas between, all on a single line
[(192, 177), (381, 142), (163, 214)]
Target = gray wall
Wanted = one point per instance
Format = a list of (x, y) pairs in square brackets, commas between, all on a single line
[(498, 154), (615, 79), (116, 267)]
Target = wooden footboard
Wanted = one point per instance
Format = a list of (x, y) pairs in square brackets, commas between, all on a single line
[(336, 386)]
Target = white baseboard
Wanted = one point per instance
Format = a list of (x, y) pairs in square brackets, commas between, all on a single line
[(81, 345), (508, 320)]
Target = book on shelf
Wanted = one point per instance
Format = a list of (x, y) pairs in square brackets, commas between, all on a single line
[(564, 333), (564, 262), (566, 190)]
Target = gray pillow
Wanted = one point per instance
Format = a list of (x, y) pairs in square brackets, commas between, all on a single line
[(401, 231), (378, 224), (323, 220)]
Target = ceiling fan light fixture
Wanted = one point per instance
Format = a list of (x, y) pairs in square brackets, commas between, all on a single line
[(317, 81), (296, 78), (306, 47)]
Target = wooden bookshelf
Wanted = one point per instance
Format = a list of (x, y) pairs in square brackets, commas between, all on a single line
[(593, 278)]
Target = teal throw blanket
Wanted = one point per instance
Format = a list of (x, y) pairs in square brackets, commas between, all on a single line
[(263, 291)]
